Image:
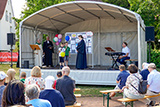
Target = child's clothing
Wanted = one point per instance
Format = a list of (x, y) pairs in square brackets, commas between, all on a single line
[(22, 80), (67, 53), (61, 49)]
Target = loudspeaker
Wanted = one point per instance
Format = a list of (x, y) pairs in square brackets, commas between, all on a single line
[(26, 64), (149, 34), (11, 39)]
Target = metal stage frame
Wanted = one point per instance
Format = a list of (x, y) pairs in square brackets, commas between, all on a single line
[(83, 77)]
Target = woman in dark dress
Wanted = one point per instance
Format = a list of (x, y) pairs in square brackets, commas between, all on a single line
[(81, 61)]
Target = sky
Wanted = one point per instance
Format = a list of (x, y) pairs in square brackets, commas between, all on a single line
[(18, 6)]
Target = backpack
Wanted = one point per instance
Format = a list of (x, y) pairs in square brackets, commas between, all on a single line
[(142, 87)]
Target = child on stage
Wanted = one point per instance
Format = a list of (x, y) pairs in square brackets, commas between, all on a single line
[(67, 53), (61, 57)]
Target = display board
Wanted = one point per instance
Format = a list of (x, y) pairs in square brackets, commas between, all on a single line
[(73, 42)]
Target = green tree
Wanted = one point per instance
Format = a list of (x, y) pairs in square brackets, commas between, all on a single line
[(149, 11), (122, 3)]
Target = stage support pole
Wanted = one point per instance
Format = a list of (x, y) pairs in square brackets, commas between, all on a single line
[(139, 45), (11, 57), (99, 42), (92, 53), (20, 44)]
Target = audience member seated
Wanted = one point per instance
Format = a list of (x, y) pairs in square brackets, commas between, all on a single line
[(132, 83), (13, 94), (144, 71), (32, 92), (23, 77), (54, 96), (21, 106), (11, 76), (153, 83), (35, 78), (66, 86), (121, 79), (2, 86), (59, 75)]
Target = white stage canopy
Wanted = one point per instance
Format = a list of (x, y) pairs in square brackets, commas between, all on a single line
[(110, 24)]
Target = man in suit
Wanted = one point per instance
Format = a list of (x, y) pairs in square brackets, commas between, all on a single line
[(66, 85)]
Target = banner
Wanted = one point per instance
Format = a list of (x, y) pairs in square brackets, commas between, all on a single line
[(6, 56)]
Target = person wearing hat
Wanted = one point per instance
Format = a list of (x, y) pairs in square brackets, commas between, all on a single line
[(2, 86), (153, 83), (50, 94)]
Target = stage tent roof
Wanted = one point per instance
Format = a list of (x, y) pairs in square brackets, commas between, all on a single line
[(59, 17)]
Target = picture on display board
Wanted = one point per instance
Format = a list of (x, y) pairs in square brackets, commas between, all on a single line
[(73, 42)]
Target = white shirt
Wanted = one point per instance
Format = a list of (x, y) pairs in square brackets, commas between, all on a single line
[(126, 50), (61, 50), (153, 81)]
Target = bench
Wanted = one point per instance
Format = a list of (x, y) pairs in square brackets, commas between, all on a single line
[(106, 93), (130, 101), (131, 60), (77, 89), (77, 95), (75, 105)]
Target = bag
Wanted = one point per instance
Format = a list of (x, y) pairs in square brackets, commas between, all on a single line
[(142, 88)]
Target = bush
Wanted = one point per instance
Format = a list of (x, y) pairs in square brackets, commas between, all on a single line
[(155, 57)]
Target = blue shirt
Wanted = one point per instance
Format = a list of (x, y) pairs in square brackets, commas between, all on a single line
[(39, 103), (53, 96), (122, 77), (153, 81), (1, 94), (144, 74)]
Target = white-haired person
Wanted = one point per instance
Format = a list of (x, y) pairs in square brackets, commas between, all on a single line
[(153, 83), (35, 78), (11, 76), (32, 91), (144, 71), (50, 94), (66, 86)]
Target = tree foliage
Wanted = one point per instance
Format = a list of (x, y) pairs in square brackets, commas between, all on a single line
[(149, 11), (122, 3)]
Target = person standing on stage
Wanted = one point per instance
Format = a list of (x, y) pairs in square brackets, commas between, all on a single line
[(61, 58), (38, 54), (125, 50), (47, 51), (81, 61), (67, 53)]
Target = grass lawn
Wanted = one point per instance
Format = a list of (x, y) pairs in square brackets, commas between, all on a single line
[(92, 91), (5, 67)]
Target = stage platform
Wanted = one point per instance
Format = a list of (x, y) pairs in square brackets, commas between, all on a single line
[(84, 77)]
